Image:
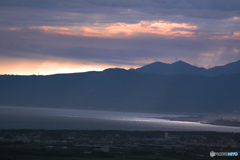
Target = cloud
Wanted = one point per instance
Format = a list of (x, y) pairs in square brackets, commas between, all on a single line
[(236, 50), (118, 29), (223, 5), (188, 8), (114, 50), (118, 33)]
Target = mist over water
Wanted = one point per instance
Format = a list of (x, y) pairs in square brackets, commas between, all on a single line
[(52, 118)]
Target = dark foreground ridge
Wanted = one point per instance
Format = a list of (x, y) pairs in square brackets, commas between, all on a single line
[(119, 89), (119, 145)]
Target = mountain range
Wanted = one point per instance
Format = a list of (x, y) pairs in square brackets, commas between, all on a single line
[(181, 67), (180, 88)]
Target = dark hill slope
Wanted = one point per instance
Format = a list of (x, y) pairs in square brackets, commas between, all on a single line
[(230, 68), (119, 89)]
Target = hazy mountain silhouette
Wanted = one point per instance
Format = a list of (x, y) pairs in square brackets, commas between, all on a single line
[(181, 67), (230, 68), (119, 89)]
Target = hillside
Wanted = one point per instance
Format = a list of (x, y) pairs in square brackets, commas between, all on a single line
[(119, 89)]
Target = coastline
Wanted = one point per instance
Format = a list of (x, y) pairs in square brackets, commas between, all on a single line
[(204, 120)]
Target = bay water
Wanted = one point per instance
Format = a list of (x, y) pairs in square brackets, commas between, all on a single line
[(78, 119)]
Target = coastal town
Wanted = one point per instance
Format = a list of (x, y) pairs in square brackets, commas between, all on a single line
[(90, 144)]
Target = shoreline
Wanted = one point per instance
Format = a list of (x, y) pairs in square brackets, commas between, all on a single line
[(204, 120)]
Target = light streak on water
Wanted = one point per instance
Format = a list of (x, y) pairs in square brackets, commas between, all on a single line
[(52, 118)]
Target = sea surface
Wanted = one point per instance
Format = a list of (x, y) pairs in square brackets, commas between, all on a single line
[(52, 118)]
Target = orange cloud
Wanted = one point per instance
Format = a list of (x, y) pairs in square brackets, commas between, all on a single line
[(14, 28), (236, 50), (164, 28), (11, 28), (50, 28), (123, 29), (235, 35), (234, 18)]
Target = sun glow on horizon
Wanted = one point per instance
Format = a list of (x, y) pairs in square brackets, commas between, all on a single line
[(28, 66), (56, 65)]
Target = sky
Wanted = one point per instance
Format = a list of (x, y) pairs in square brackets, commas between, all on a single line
[(65, 36)]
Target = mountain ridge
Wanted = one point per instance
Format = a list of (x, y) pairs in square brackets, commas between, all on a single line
[(181, 67), (120, 89), (181, 90)]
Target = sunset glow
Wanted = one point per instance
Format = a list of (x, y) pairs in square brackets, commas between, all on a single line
[(80, 36), (122, 29), (54, 65)]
